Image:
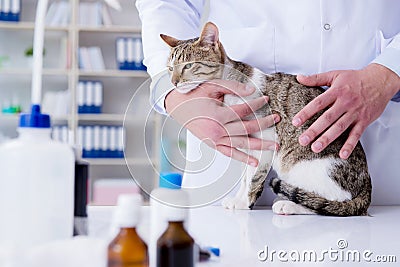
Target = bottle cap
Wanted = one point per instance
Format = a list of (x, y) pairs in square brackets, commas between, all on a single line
[(35, 119), (176, 214), (170, 180), (177, 202), (127, 213)]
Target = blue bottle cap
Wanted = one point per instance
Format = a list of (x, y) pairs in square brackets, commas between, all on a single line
[(214, 250), (170, 180), (35, 119)]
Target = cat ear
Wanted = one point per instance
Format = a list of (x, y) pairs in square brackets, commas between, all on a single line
[(171, 41), (209, 34)]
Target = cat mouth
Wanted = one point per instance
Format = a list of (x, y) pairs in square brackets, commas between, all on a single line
[(186, 87)]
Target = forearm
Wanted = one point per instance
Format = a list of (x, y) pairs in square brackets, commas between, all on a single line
[(390, 58), (390, 81)]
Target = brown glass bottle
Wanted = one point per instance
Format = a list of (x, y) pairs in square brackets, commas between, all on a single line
[(175, 247), (127, 250)]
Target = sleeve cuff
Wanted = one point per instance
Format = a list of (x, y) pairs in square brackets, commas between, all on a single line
[(390, 58), (160, 87)]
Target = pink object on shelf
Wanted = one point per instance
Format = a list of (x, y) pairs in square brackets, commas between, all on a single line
[(106, 191)]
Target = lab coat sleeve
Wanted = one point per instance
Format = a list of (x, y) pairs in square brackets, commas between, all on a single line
[(390, 58), (177, 18)]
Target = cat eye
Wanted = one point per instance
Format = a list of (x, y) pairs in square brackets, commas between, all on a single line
[(188, 66), (171, 68)]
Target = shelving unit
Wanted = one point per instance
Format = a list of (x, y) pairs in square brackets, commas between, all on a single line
[(29, 26), (111, 29), (119, 86), (24, 71), (111, 162), (114, 73)]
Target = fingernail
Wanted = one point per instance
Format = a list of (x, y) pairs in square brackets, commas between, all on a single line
[(317, 146), (304, 140), (345, 154), (296, 122), (253, 163), (276, 118), (249, 88), (272, 147)]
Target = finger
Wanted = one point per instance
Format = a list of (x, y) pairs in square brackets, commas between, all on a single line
[(232, 87), (333, 132), (252, 126), (245, 142), (316, 105), (320, 79), (351, 142), (326, 120), (235, 112), (237, 154)]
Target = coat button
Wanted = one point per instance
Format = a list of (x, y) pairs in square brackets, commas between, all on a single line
[(327, 26)]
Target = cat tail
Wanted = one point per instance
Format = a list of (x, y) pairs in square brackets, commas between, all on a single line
[(323, 206)]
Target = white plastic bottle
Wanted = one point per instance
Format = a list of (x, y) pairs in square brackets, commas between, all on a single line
[(36, 185)]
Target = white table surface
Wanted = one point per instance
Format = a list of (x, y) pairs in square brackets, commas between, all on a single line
[(242, 234)]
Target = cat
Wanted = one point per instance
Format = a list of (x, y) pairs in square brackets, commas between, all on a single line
[(307, 182)]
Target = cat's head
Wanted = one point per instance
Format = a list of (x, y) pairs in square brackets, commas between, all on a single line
[(195, 60)]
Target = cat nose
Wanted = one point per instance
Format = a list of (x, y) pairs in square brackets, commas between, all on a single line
[(175, 81)]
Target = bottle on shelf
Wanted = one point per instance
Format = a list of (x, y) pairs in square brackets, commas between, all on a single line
[(10, 10), (101, 141), (175, 247), (129, 53), (89, 97), (127, 249)]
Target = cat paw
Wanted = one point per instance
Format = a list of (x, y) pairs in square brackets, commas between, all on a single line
[(286, 207), (235, 203)]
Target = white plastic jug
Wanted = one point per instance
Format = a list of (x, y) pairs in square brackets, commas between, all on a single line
[(36, 185)]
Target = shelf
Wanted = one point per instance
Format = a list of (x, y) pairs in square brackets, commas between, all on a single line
[(111, 29), (15, 117), (116, 162), (101, 117), (9, 117), (62, 118), (24, 71), (29, 26), (113, 118), (115, 73)]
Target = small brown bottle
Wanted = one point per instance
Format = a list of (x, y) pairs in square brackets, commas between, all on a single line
[(127, 249), (175, 247)]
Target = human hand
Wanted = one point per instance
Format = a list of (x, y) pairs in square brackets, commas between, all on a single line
[(355, 99), (203, 113)]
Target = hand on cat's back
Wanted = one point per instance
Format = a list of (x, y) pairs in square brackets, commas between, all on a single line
[(203, 113), (354, 100)]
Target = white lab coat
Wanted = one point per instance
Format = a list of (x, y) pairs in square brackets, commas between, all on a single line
[(302, 36)]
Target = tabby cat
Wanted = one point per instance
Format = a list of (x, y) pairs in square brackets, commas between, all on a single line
[(306, 182)]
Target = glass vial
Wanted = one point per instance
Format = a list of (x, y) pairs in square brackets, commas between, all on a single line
[(128, 249), (175, 247)]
